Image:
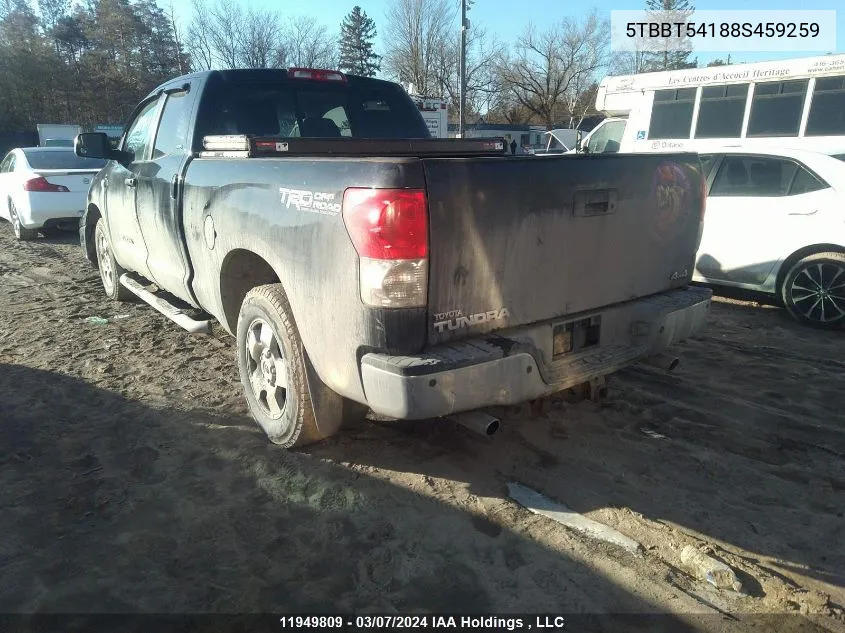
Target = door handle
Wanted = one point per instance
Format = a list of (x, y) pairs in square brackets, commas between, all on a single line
[(131, 182), (174, 186), (808, 213), (595, 202)]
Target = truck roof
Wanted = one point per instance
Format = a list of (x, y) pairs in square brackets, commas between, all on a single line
[(257, 75)]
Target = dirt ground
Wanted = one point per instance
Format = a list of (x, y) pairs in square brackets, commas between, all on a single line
[(131, 479)]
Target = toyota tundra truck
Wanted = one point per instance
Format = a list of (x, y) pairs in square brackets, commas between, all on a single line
[(358, 262)]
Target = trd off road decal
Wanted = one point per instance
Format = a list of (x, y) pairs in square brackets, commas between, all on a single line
[(313, 201), (671, 196), (455, 319)]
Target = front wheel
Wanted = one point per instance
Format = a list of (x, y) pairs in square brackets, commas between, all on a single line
[(813, 290), (272, 368), (110, 270), (22, 233)]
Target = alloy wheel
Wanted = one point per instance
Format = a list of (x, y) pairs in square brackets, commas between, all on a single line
[(818, 291), (267, 368)]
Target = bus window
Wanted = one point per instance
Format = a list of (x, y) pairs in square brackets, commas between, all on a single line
[(827, 111), (607, 138), (721, 111), (776, 108), (671, 114)]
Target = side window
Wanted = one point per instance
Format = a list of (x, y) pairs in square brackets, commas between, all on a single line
[(4, 166), (751, 176), (671, 113), (805, 182), (707, 161), (776, 108), (173, 127), (13, 162), (139, 131), (827, 111)]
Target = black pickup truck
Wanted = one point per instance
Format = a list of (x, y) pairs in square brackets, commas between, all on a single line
[(357, 260)]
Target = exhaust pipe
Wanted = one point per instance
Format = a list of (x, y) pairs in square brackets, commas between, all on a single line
[(478, 422), (662, 361)]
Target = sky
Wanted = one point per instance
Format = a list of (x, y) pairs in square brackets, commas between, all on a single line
[(506, 19)]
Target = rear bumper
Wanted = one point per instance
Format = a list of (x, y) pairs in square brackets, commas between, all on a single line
[(517, 365), (41, 207)]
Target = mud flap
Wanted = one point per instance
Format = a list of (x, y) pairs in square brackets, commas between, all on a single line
[(328, 405)]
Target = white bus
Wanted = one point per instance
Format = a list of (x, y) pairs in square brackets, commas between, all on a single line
[(795, 103)]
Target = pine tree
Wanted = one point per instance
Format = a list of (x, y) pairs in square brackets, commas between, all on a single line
[(357, 33), (677, 59)]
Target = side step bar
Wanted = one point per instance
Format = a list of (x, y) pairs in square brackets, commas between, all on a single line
[(177, 315)]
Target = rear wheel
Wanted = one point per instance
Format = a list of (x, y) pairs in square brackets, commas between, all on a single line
[(110, 270), (22, 233), (813, 290), (272, 368)]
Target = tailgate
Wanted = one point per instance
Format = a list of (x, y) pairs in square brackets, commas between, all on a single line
[(517, 241), (74, 179)]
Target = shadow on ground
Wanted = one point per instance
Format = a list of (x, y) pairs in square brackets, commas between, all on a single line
[(113, 506)]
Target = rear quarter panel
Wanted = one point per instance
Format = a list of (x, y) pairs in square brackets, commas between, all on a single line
[(233, 205)]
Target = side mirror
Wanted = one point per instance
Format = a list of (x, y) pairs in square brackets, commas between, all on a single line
[(95, 145)]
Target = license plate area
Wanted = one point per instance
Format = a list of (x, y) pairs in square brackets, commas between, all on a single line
[(576, 336)]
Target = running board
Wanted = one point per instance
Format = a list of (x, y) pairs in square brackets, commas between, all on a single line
[(177, 315)]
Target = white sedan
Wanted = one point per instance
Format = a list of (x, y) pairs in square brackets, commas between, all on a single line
[(44, 189), (775, 223)]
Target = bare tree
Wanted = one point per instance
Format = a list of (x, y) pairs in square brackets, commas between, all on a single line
[(629, 62), (415, 32), (260, 38), (177, 39), (199, 37), (483, 54), (548, 69), (223, 35), (305, 43), (227, 22)]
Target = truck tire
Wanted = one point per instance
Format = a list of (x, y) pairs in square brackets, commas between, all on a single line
[(272, 368), (813, 291), (110, 270), (22, 233)]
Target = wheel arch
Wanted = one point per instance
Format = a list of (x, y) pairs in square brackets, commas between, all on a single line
[(241, 271), (797, 256)]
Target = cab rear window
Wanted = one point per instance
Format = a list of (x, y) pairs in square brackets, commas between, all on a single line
[(306, 109)]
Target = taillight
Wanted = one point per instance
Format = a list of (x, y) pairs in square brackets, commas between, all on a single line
[(41, 184), (389, 230)]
